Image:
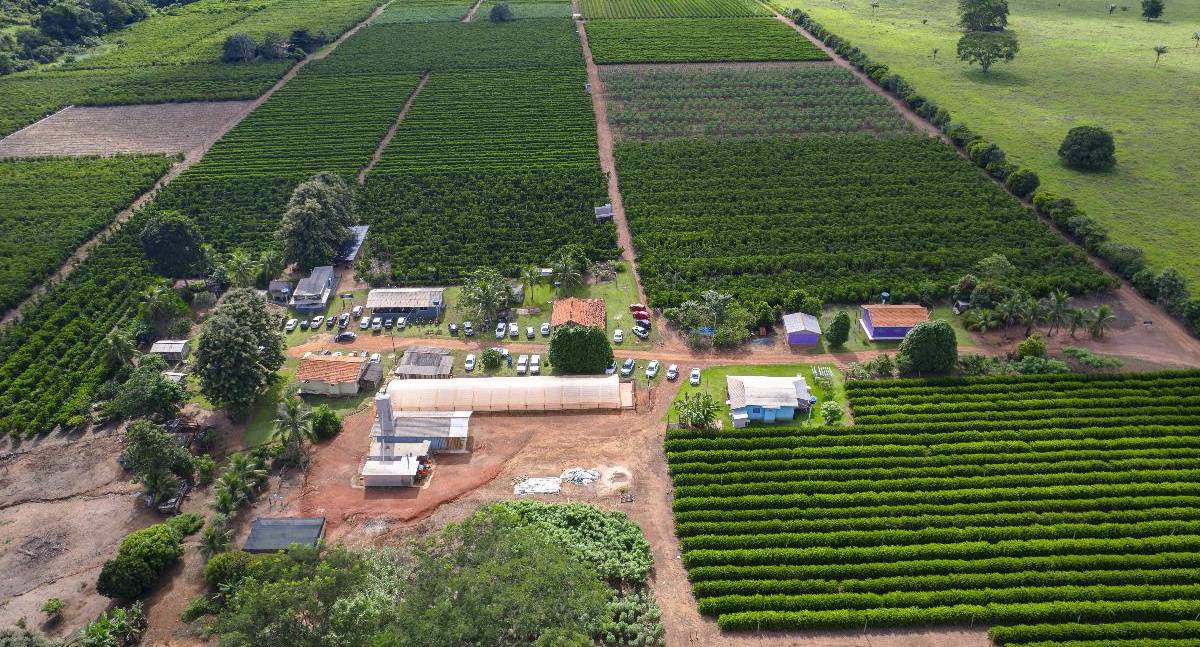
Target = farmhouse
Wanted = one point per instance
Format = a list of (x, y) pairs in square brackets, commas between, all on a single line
[(312, 293), (445, 431), (578, 312), (172, 350), (883, 322), (421, 362), (391, 464), (757, 398), (536, 393), (270, 534), (802, 329), (415, 304), (331, 375), (279, 291)]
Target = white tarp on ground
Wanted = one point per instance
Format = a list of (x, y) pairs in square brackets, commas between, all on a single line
[(539, 485), (530, 393), (580, 476)]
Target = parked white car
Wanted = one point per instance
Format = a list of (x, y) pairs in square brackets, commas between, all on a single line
[(468, 330), (618, 336), (612, 368), (522, 364), (514, 331), (672, 372), (545, 329), (376, 358), (694, 378), (364, 323), (652, 369), (535, 365), (317, 321), (500, 328), (627, 367), (377, 323), (291, 324), (357, 311), (470, 363)]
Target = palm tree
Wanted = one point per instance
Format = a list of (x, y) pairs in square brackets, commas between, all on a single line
[(531, 275), (119, 348), (161, 303), (1078, 318), (1103, 319), (1057, 306), (240, 268), (217, 537), (981, 320), (247, 468), (270, 265), (1196, 37), (1036, 314), (484, 292), (225, 499), (1012, 311), (1159, 50), (566, 272), (160, 486), (293, 426)]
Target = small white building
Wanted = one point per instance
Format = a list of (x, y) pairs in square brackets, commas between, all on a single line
[(394, 464), (445, 431), (331, 375), (759, 398), (172, 350)]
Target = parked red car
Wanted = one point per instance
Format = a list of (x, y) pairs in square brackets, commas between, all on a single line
[(637, 307)]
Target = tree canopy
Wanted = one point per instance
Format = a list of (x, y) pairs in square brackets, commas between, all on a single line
[(316, 221), (173, 244), (983, 15), (582, 350), (1088, 148), (839, 329), (930, 347), (484, 293), (147, 393), (238, 351), (986, 48)]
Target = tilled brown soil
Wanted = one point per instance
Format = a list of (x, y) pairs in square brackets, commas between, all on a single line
[(107, 130)]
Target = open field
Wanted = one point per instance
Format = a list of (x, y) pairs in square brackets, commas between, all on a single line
[(1078, 65), (845, 217), (694, 40), (50, 206), (913, 515), (741, 101), (157, 128)]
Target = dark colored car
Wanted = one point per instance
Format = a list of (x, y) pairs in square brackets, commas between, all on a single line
[(345, 336)]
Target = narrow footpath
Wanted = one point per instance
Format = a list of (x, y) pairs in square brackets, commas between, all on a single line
[(387, 139)]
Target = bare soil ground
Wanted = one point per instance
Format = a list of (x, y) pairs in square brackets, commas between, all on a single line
[(65, 504), (107, 130)]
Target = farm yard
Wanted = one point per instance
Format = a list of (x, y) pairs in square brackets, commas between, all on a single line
[(733, 196)]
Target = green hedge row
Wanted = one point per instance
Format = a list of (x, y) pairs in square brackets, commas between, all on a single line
[(838, 571), (952, 597), (978, 384), (1017, 418), (1076, 631), (1086, 390), (965, 550), (1134, 642), (865, 538), (716, 588), (1100, 611), (1115, 398)]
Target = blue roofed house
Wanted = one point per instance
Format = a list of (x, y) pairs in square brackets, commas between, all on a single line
[(759, 398), (802, 329)]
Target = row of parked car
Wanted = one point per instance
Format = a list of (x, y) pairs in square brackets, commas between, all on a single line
[(652, 368), (526, 364)]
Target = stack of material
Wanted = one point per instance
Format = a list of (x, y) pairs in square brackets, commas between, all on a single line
[(580, 476), (538, 485)]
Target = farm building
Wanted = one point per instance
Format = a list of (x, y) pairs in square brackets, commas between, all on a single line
[(415, 304), (884, 322), (445, 431), (172, 350), (391, 464), (331, 375), (578, 312), (802, 329), (349, 250), (757, 398), (604, 213), (279, 291), (536, 393), (420, 362), (312, 293), (270, 534)]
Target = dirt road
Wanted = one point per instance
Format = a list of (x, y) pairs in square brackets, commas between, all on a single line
[(387, 139)]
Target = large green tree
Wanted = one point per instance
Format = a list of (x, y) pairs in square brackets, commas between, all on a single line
[(987, 48), (150, 450), (839, 330), (174, 244), (484, 293), (581, 350), (930, 347), (316, 221), (983, 15), (147, 393), (238, 351)]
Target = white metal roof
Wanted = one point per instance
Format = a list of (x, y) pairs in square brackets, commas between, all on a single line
[(531, 393), (429, 424), (766, 391), (801, 322), (169, 346), (394, 459), (405, 297)]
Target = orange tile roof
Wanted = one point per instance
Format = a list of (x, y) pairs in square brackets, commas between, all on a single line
[(583, 312), (890, 316), (330, 369)]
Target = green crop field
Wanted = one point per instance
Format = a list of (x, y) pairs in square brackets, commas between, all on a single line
[(846, 217), (51, 206), (598, 9), (697, 40), (1055, 506), (526, 9), (736, 102), (498, 120), (1077, 65), (424, 11)]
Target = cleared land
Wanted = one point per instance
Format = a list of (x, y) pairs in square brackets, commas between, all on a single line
[(157, 128), (1078, 65), (50, 206), (845, 217), (1003, 501), (697, 40), (739, 101), (598, 9)]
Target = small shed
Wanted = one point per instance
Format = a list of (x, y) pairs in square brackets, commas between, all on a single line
[(802, 329), (172, 350), (270, 534), (391, 464), (424, 362), (331, 375), (604, 213), (758, 398), (885, 322), (279, 291)]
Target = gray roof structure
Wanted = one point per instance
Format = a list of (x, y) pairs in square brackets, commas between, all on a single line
[(169, 346), (315, 284), (406, 298), (349, 251), (766, 391), (801, 322), (424, 361), (269, 534)]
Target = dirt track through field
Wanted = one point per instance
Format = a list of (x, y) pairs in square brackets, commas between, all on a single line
[(474, 8), (190, 158), (387, 139)]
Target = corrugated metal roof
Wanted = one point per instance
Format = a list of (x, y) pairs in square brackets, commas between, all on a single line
[(801, 322), (429, 424), (277, 533), (314, 284), (169, 346), (766, 391), (897, 315), (405, 298)]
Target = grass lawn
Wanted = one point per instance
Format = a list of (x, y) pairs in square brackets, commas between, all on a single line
[(1078, 65), (712, 382), (858, 337)]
